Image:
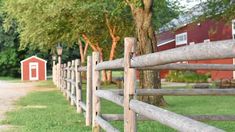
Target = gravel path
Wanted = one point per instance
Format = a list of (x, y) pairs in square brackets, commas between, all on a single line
[(9, 93)]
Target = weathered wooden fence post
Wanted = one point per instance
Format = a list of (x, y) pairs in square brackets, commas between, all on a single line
[(57, 75), (95, 86), (129, 85), (54, 74), (89, 91), (73, 96), (78, 85), (61, 77), (68, 80), (64, 80)]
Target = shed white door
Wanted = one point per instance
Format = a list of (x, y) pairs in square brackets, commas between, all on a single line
[(33, 71)]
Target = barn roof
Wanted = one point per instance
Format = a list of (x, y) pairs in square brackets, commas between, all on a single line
[(185, 18), (33, 57)]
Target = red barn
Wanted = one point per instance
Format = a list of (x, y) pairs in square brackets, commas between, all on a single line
[(188, 32), (33, 68)]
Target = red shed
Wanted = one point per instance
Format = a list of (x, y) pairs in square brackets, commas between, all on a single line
[(33, 68)]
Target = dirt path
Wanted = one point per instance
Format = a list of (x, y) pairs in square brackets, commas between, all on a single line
[(9, 93)]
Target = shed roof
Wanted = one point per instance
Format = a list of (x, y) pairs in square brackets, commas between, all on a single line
[(33, 57)]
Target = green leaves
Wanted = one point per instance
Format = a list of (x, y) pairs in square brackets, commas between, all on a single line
[(219, 9)]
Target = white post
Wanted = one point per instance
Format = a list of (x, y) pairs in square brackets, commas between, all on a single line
[(78, 85), (68, 83), (72, 84), (89, 91)]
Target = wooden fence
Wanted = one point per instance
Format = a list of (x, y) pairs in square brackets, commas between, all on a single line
[(68, 79)]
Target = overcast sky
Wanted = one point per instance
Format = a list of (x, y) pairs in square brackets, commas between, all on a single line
[(190, 3)]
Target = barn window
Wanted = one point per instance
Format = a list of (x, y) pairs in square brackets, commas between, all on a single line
[(233, 29), (181, 38)]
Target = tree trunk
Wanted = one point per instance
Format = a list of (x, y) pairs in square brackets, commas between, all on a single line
[(81, 51), (146, 44), (112, 55), (97, 48), (115, 39)]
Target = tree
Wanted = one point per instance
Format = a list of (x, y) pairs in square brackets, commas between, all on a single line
[(218, 9), (9, 54), (143, 12), (44, 23), (68, 22)]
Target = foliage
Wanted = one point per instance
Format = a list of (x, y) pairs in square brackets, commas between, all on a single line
[(186, 76), (45, 23), (219, 9), (9, 55), (164, 11)]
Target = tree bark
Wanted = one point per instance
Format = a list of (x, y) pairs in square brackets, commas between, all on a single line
[(97, 48), (115, 40), (146, 44), (83, 52)]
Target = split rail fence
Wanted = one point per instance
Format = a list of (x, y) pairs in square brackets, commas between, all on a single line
[(68, 78)]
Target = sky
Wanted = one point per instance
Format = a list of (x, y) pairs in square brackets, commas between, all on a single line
[(190, 3)]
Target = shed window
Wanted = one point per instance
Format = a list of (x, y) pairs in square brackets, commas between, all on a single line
[(181, 38)]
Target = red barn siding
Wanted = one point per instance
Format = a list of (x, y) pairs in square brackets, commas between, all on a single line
[(166, 46), (198, 32), (171, 45)]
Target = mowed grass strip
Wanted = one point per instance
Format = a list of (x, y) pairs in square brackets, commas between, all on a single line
[(46, 112), (49, 111)]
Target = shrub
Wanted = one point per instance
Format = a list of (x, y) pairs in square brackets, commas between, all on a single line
[(186, 76)]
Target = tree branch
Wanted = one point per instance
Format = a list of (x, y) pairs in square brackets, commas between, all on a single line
[(89, 42)]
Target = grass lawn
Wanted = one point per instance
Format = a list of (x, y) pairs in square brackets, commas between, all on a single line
[(10, 79), (49, 111)]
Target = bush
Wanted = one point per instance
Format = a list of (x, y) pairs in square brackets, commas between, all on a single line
[(186, 76)]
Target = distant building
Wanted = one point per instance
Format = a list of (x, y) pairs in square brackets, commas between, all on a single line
[(33, 69), (189, 32)]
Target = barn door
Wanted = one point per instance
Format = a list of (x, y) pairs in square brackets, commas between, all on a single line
[(33, 71)]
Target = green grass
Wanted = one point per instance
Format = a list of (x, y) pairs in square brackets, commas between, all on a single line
[(56, 115), (45, 84), (10, 79), (117, 73), (60, 116)]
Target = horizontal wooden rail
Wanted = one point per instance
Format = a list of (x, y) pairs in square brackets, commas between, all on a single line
[(182, 92), (212, 117), (175, 66), (110, 65), (200, 51), (82, 69), (110, 96), (83, 105), (173, 120), (119, 117), (105, 125)]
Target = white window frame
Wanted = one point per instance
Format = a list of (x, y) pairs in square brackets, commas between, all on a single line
[(233, 28), (184, 35), (207, 40), (233, 35), (191, 43), (32, 64)]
